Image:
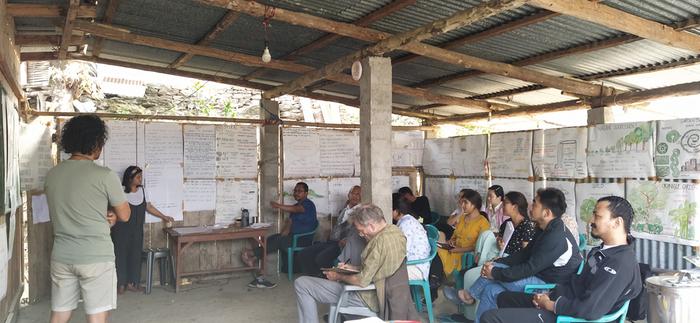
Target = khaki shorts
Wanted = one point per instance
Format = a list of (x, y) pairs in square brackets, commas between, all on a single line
[(97, 283)]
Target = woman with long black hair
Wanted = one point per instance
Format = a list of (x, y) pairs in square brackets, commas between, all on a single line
[(128, 236)]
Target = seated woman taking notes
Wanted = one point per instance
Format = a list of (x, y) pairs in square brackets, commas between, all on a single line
[(470, 224)]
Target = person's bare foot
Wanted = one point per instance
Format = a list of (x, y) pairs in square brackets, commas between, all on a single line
[(134, 288), (465, 297), (121, 290)]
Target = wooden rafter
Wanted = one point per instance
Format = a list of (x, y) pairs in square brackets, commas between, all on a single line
[(367, 34), (229, 18), (411, 37), (620, 20), (620, 99), (71, 14), (48, 11), (123, 35), (111, 10), (327, 39), (495, 31), (52, 40)]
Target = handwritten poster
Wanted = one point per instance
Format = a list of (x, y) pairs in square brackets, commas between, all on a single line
[(35, 158), (666, 211), (399, 181), (13, 229), (440, 193), (200, 195), (337, 150), (120, 150), (318, 193), (232, 196), (566, 187), (437, 156), (236, 152), (199, 150), (12, 175), (40, 209), (407, 148), (510, 154), (677, 153), (587, 194), (163, 144), (621, 150), (338, 189), (560, 153), (519, 185), (141, 144), (478, 184), (302, 155), (165, 189), (469, 155)]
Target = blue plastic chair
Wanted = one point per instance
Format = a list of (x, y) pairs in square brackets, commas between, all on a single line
[(424, 284), (295, 247), (581, 242), (617, 316), (434, 217)]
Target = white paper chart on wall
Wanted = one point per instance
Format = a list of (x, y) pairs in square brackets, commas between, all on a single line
[(120, 150), (469, 155), (560, 153), (301, 152), (510, 154), (407, 148), (200, 195), (440, 193), (199, 150), (515, 184), (165, 190), (621, 150), (163, 143), (677, 153), (437, 156), (337, 150)]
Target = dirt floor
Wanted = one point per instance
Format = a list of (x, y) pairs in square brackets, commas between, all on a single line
[(228, 300)]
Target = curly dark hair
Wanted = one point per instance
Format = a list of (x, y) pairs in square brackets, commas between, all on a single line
[(83, 134)]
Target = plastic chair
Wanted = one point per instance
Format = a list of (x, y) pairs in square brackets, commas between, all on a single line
[(294, 247), (617, 316), (432, 232), (581, 242), (424, 284), (483, 251), (338, 308), (165, 266), (434, 217)]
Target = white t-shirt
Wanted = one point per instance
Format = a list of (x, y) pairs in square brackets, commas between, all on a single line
[(136, 198)]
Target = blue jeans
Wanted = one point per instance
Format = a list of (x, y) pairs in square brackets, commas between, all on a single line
[(486, 290)]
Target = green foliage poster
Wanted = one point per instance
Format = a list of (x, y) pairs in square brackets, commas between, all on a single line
[(621, 150), (677, 152), (587, 194)]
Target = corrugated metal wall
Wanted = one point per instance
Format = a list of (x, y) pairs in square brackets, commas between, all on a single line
[(662, 255)]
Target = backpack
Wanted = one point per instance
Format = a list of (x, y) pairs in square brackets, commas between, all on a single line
[(638, 305)]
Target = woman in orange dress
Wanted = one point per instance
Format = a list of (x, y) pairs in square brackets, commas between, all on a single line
[(470, 224)]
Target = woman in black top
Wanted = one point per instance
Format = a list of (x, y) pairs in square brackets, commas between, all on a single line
[(128, 236), (515, 206)]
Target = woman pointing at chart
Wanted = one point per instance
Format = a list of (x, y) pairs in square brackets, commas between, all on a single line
[(128, 236)]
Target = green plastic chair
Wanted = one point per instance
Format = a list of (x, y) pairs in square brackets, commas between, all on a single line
[(485, 249), (434, 217), (416, 285), (293, 248), (617, 316), (581, 242)]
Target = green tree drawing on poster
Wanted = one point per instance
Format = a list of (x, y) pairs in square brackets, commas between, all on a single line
[(586, 214), (683, 217), (645, 199)]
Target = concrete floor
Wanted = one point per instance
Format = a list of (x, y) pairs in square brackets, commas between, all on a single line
[(228, 300)]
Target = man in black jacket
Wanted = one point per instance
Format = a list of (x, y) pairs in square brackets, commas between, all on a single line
[(610, 276), (420, 206), (551, 257)]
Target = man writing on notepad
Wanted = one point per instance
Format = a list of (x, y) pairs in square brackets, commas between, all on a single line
[(381, 258)]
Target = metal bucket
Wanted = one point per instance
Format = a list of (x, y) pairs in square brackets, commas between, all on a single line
[(673, 301)]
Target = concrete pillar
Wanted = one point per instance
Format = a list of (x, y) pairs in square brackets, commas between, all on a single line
[(270, 172), (600, 116), (375, 133)]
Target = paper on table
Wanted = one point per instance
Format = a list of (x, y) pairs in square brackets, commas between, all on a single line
[(40, 209), (507, 234)]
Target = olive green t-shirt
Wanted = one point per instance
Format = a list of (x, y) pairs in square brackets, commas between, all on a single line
[(78, 194)]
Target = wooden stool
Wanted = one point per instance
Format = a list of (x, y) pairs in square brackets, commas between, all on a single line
[(165, 266)]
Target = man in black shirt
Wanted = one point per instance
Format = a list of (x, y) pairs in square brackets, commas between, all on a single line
[(610, 276), (420, 207)]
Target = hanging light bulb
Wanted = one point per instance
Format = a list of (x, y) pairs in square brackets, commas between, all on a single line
[(266, 57)]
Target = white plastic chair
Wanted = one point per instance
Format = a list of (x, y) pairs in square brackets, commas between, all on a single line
[(338, 308)]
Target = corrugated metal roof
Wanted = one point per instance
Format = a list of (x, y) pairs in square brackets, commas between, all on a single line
[(187, 21)]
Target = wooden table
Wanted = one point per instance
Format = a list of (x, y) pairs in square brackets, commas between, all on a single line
[(183, 237)]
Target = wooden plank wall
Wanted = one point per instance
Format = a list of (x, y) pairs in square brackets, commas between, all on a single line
[(39, 245)]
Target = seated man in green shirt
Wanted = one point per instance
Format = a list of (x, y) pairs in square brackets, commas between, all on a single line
[(381, 258), (78, 193)]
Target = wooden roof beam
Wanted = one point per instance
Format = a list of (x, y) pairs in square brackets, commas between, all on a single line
[(48, 11), (111, 10), (415, 36), (327, 39), (227, 20), (492, 32), (371, 35), (68, 28), (51, 40), (623, 21), (619, 99), (123, 35)]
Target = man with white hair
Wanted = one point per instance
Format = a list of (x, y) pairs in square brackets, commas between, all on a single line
[(381, 258)]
